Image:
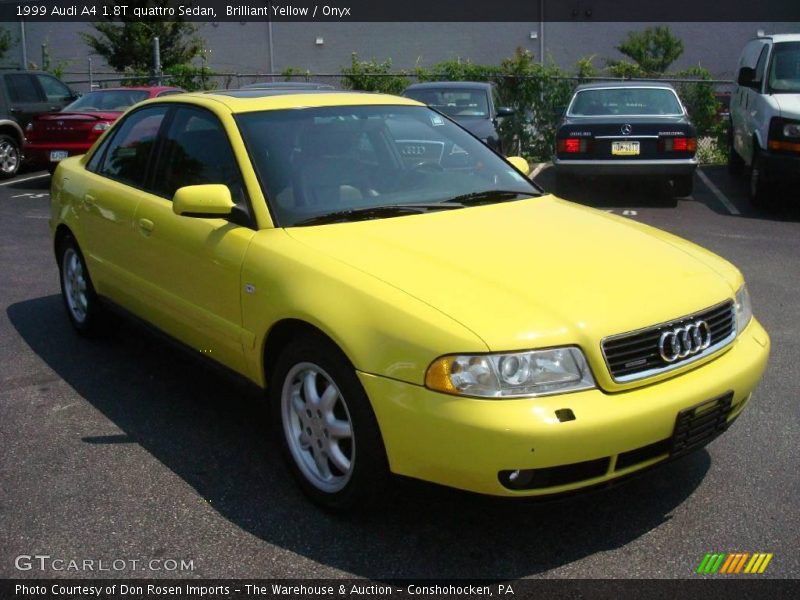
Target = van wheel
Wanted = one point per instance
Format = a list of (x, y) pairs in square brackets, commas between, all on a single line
[(760, 190), (326, 427), (10, 157), (735, 162)]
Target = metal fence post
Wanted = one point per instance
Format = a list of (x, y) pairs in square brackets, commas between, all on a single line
[(157, 60)]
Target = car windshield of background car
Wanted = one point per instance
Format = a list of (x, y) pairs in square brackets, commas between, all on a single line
[(626, 102), (784, 74), (111, 101), (454, 102)]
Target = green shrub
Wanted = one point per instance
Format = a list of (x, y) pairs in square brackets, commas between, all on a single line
[(372, 76)]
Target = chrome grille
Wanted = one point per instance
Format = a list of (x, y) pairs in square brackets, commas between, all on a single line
[(635, 355)]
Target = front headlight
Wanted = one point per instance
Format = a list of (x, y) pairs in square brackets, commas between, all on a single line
[(744, 310), (791, 130), (510, 375)]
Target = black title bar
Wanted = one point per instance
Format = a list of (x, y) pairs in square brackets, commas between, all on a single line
[(405, 10)]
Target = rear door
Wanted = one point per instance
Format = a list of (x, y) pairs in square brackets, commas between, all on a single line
[(115, 178), (193, 265), (56, 93), (26, 98), (742, 101)]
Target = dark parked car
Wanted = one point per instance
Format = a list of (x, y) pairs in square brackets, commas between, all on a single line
[(631, 129), (23, 96), (471, 104), (52, 137)]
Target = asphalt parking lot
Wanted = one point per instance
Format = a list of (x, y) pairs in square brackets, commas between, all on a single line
[(123, 448)]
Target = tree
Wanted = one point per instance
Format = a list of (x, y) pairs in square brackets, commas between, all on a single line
[(5, 41), (652, 50), (126, 42)]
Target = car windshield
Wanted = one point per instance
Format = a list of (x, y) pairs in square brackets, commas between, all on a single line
[(625, 101), (333, 160), (453, 102), (784, 74), (107, 100)]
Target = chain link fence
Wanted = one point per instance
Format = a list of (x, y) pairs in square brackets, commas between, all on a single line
[(534, 123)]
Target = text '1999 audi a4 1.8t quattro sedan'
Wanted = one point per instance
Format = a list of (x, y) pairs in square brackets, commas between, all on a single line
[(411, 305)]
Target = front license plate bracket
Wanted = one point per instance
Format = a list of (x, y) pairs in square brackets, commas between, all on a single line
[(697, 425)]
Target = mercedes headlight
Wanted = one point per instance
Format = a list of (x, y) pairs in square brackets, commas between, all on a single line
[(510, 375), (744, 310)]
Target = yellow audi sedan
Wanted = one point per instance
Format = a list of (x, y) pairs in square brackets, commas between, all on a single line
[(409, 300)]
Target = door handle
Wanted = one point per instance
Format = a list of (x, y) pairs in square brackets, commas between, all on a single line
[(146, 225)]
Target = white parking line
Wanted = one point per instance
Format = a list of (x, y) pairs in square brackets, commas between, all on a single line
[(12, 181), (720, 196)]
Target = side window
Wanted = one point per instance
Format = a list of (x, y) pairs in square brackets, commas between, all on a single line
[(127, 153), (22, 88), (54, 89), (196, 151), (761, 66)]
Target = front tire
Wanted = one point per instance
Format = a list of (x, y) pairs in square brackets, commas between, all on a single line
[(77, 290), (760, 190), (324, 421), (10, 156)]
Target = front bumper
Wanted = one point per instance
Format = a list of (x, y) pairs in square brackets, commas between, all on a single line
[(644, 168), (781, 166), (466, 443)]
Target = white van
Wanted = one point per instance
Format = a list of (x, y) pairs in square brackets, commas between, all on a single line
[(765, 115)]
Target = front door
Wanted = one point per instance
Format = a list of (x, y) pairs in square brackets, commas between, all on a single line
[(194, 264)]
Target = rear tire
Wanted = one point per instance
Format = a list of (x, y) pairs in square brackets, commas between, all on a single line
[(325, 425), (735, 162), (564, 185), (760, 191), (77, 291), (682, 186), (10, 156)]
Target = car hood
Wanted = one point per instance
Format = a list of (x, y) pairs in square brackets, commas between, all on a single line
[(533, 273), (789, 105)]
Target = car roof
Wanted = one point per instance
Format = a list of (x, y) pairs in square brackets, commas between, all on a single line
[(429, 85), (242, 101), (623, 84), (290, 85), (781, 37), (143, 88)]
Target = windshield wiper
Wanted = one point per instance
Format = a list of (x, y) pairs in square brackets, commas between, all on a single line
[(374, 212), (489, 197)]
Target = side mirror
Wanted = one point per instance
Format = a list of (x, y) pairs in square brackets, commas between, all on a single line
[(520, 163), (747, 77), (203, 201), (504, 111)]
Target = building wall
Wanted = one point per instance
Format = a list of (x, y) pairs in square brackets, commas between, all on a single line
[(244, 47)]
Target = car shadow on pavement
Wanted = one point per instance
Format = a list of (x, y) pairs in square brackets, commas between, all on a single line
[(210, 430)]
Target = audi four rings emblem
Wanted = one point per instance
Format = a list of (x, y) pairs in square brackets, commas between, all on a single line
[(626, 129), (413, 150), (684, 341)]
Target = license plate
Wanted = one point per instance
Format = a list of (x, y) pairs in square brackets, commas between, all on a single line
[(57, 155), (625, 148)]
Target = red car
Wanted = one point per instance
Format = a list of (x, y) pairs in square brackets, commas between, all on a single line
[(52, 137)]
